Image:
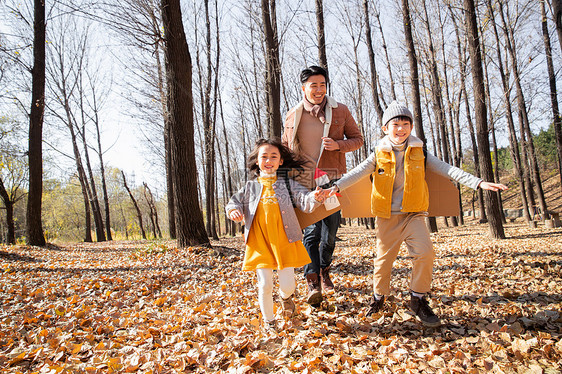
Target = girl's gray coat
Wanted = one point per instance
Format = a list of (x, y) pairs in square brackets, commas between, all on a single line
[(248, 197)]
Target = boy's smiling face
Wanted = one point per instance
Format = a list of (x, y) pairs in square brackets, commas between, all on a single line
[(398, 130)]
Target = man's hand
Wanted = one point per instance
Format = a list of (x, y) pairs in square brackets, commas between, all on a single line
[(330, 144), (236, 215), (492, 186)]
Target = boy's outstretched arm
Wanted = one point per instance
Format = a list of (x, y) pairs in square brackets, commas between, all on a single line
[(492, 186)]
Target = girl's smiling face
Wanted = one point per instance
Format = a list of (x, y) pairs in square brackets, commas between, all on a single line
[(398, 130), (269, 159)]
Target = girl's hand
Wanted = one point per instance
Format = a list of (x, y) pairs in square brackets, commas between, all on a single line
[(492, 186), (236, 215), (320, 194)]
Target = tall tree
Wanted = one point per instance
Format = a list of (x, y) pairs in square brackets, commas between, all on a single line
[(557, 13), (437, 96), (35, 151), (513, 142), (387, 58), (490, 198), (522, 109), (96, 120), (557, 121), (491, 121), (372, 64), (9, 206), (136, 205), (139, 25), (462, 88), (272, 68), (415, 84), (156, 231), (96, 209), (66, 69), (13, 172), (189, 218), (322, 57), (208, 100)]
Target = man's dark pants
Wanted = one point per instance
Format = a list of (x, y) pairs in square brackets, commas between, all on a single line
[(320, 240)]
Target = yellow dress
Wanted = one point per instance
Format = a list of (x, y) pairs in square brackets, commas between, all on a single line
[(268, 245)]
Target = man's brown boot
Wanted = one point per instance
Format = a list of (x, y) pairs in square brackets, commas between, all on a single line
[(314, 296), (327, 284)]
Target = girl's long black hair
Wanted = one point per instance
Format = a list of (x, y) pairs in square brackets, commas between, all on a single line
[(291, 162)]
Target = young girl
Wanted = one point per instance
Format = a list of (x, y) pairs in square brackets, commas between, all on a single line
[(272, 232)]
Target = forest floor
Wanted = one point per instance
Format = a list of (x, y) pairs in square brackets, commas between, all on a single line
[(149, 307), (511, 198)]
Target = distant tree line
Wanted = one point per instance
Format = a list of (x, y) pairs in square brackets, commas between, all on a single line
[(204, 79)]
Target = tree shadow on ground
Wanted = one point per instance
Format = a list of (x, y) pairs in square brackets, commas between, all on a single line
[(17, 257), (396, 319), (551, 234)]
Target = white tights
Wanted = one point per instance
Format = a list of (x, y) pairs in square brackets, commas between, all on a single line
[(287, 286)]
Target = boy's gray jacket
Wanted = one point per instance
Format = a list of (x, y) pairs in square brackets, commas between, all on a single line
[(248, 197)]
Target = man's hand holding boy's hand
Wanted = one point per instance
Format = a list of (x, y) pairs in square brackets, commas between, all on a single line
[(236, 215), (492, 186)]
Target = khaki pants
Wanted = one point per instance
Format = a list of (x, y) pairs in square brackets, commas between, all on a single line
[(411, 229)]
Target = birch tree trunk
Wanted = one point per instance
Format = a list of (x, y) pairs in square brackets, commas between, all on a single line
[(491, 122), (209, 133), (102, 168), (514, 144), (372, 65), (322, 58), (273, 68), (490, 198), (189, 219), (437, 96), (414, 81), (96, 209), (523, 116), (557, 121), (9, 206), (136, 205), (385, 49), (457, 130), (557, 14), (35, 146)]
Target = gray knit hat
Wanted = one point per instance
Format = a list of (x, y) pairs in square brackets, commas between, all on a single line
[(395, 109)]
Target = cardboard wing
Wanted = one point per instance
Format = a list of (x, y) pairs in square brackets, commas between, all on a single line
[(355, 201)]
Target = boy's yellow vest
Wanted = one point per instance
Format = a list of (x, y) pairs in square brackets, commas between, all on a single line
[(416, 193)]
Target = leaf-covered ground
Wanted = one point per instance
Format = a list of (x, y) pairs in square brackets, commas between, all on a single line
[(149, 307)]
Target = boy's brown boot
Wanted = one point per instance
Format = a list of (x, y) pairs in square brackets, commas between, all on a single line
[(375, 306), (314, 296), (424, 314), (327, 283)]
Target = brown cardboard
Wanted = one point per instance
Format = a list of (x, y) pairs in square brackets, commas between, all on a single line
[(356, 200)]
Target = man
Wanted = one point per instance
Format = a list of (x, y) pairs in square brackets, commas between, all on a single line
[(322, 131)]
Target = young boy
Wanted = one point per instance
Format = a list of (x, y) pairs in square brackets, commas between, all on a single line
[(399, 200)]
